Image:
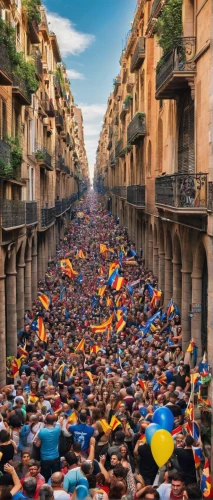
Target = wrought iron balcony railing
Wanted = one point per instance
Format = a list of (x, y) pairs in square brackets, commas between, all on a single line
[(139, 55), (136, 195), (157, 6), (20, 90), (13, 213), (47, 216), (184, 192), (73, 197), (38, 65), (33, 31), (137, 128), (48, 106), (57, 85), (120, 191), (31, 213), (5, 67), (176, 69), (59, 122), (118, 148)]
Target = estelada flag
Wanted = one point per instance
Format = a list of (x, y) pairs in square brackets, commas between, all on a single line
[(112, 267), (118, 283), (114, 423), (105, 426), (80, 346), (41, 330), (205, 484), (45, 300), (103, 326), (103, 248), (142, 384), (156, 296), (101, 291)]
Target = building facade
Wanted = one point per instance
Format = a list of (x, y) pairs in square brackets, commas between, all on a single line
[(39, 160), (154, 159)]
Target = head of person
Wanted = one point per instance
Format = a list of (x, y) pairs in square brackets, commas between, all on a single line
[(57, 480), (34, 467), (50, 420), (29, 486), (119, 437), (46, 492), (4, 436), (83, 417), (150, 493), (192, 492), (120, 472), (189, 441), (177, 484), (25, 457), (71, 458), (87, 467), (115, 459), (116, 491)]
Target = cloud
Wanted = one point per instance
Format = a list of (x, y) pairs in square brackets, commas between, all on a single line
[(93, 118), (69, 39), (75, 75)]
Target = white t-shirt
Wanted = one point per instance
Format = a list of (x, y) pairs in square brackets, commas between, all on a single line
[(61, 495)]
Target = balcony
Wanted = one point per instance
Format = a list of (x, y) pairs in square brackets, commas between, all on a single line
[(120, 191), (58, 207), (139, 55), (20, 90), (44, 159), (136, 196), (33, 29), (182, 193), (157, 6), (137, 128), (73, 198), (31, 213), (55, 46), (12, 213), (57, 85), (47, 217), (119, 148), (116, 83), (38, 65), (59, 122), (43, 27), (126, 107), (5, 71), (112, 159), (48, 106), (176, 70)]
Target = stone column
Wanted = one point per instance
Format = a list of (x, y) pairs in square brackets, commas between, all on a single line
[(11, 306), (186, 302), (43, 255), (28, 280), (2, 331), (34, 276), (150, 254), (146, 253), (177, 283), (156, 261), (162, 271), (20, 295), (196, 319), (168, 280)]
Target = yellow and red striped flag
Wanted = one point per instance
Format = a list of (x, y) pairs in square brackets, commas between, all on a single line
[(114, 423), (105, 426), (41, 330), (94, 348), (112, 267), (45, 300), (103, 326), (101, 291), (89, 376), (142, 384), (80, 346), (103, 248), (81, 254)]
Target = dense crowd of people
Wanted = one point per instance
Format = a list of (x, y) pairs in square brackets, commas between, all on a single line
[(78, 400)]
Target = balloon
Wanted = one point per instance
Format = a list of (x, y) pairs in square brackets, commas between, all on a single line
[(150, 431), (162, 446), (164, 418)]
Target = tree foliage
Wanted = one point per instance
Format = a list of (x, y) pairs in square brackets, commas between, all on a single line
[(169, 25)]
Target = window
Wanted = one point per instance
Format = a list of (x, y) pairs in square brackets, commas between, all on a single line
[(186, 152), (31, 182)]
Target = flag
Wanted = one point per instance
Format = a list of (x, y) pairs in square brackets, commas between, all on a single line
[(114, 423), (162, 380), (65, 263), (191, 346), (118, 283), (130, 289), (198, 456), (80, 346), (142, 384), (15, 367), (41, 330), (101, 271), (112, 277), (33, 399), (145, 329), (176, 431), (81, 254), (80, 279), (112, 267), (89, 375), (105, 426), (45, 300), (120, 325), (73, 419), (155, 297), (190, 411), (205, 484), (94, 302), (142, 438), (101, 291), (103, 248), (94, 348), (109, 302), (108, 334), (103, 326), (111, 250), (150, 289), (22, 352), (194, 377)]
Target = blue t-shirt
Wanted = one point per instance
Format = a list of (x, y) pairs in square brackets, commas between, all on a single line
[(49, 437), (82, 434), (74, 478)]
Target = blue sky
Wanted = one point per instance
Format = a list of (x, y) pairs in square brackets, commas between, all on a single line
[(91, 35)]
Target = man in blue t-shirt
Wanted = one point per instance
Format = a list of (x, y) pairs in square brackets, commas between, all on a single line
[(47, 440), (81, 432)]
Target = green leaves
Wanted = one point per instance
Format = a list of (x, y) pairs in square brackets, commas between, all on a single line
[(169, 25), (32, 10)]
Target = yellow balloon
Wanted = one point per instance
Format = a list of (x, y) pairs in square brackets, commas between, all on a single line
[(162, 446)]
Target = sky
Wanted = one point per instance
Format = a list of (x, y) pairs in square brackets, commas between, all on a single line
[(91, 35)]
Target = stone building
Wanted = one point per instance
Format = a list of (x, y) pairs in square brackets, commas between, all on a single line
[(157, 166), (38, 158)]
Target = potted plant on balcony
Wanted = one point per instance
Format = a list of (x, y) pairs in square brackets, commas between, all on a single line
[(14, 168), (169, 28), (6, 170), (128, 100), (32, 10), (39, 155)]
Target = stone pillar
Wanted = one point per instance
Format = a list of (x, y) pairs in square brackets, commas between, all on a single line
[(156, 261), (177, 283), (150, 254), (146, 253), (11, 306), (196, 319), (168, 280), (2, 331), (34, 271), (43, 255), (28, 280), (186, 302), (162, 271), (20, 295)]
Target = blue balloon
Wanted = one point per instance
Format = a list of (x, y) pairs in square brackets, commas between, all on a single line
[(164, 418), (150, 431)]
